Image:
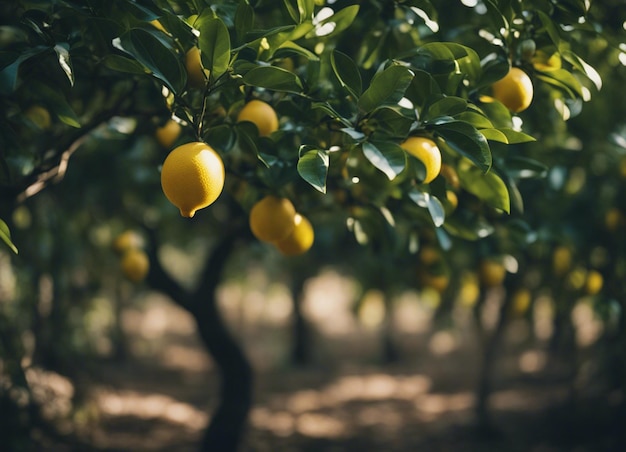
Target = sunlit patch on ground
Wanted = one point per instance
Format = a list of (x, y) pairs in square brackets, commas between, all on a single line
[(346, 396)]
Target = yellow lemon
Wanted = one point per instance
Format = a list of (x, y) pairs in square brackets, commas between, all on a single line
[(451, 202), (613, 218), (192, 177), (429, 255), (520, 301), (437, 282), (261, 114), (168, 133), (542, 61), (135, 265), (127, 240), (300, 240), (427, 152), (561, 260), (491, 273), (196, 74), (514, 90), (39, 116), (594, 282), (451, 176), (272, 218)]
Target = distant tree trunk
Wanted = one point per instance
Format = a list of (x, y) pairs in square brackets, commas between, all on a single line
[(225, 429), (490, 353), (301, 330)]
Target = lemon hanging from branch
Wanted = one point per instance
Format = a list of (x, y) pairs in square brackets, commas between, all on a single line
[(272, 218), (192, 177), (427, 152)]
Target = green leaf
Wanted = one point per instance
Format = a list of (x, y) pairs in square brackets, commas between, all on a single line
[(273, 78), (123, 64), (335, 24), (583, 66), (525, 168), (467, 141), (386, 86), (387, 156), (390, 123), (423, 87), (427, 201), (468, 226), (5, 235), (550, 28), (506, 136), (488, 187), (150, 51), (57, 102), (214, 43), (330, 111), (313, 166), (244, 19), (561, 78), (347, 72), (9, 73), (63, 56), (290, 47), (445, 106), (300, 10), (476, 119)]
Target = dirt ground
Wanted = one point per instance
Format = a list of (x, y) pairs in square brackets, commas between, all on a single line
[(159, 398)]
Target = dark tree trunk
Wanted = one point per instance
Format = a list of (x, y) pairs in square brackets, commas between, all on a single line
[(226, 427), (301, 330), (490, 353)]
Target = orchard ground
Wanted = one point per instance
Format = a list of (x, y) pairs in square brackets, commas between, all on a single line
[(347, 399)]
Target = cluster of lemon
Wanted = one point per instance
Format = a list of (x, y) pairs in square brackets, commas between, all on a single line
[(134, 261), (193, 177), (275, 220)]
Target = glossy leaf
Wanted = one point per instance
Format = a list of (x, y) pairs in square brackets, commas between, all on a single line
[(387, 156), (57, 102), (445, 106), (5, 236), (488, 187), (467, 141), (162, 62), (274, 78), (524, 168), (123, 64), (347, 72), (468, 227), (244, 19), (313, 167), (429, 202), (335, 24), (506, 136), (65, 62), (214, 43), (386, 86)]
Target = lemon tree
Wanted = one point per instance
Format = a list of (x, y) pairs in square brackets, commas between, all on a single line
[(402, 124)]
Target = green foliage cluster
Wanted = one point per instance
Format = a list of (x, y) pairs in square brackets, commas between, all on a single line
[(345, 104)]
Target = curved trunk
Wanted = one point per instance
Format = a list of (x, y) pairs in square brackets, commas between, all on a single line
[(227, 424), (226, 427)]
